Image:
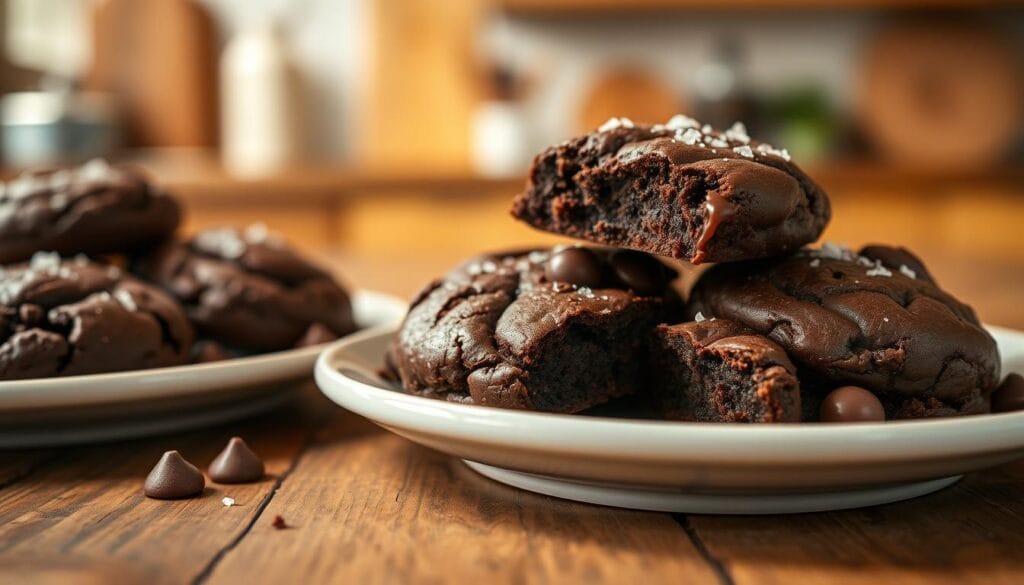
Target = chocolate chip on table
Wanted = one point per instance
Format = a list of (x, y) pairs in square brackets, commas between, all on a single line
[(1009, 396), (851, 404), (174, 478), (638, 271), (236, 464), (576, 265)]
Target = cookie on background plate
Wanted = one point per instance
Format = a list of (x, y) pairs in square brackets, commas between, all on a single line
[(248, 289), (92, 209), (874, 319), (72, 316), (678, 189), (550, 330), (716, 370)]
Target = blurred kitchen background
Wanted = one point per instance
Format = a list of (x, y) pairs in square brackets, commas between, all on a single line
[(388, 137)]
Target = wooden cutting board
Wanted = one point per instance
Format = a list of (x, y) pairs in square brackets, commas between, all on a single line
[(941, 94), (159, 58)]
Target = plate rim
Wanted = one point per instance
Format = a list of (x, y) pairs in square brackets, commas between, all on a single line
[(653, 440), (152, 383), (680, 501)]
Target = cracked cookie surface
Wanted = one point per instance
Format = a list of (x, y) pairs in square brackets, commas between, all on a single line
[(679, 189), (248, 289), (875, 319), (92, 209), (716, 370), (499, 331), (70, 317)]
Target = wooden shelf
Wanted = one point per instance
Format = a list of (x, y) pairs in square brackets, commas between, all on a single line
[(197, 175), (585, 7)]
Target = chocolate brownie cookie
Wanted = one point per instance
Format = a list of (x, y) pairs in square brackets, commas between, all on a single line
[(550, 330), (716, 370), (874, 319), (92, 209), (69, 317), (248, 289), (678, 189)]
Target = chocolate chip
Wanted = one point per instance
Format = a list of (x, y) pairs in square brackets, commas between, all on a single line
[(1009, 396), (316, 334), (279, 523), (236, 464), (30, 314), (173, 478), (209, 351), (851, 404), (578, 266), (640, 272)]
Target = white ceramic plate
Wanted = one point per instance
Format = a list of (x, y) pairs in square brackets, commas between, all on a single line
[(100, 407), (684, 467)]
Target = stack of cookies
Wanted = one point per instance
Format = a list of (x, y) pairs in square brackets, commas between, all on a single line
[(94, 281), (774, 332)]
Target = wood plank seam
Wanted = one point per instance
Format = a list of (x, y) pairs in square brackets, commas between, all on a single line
[(210, 567), (714, 562)]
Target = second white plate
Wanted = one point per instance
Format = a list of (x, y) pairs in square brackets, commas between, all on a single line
[(686, 467), (59, 411)]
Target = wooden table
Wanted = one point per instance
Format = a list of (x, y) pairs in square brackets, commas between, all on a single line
[(365, 506)]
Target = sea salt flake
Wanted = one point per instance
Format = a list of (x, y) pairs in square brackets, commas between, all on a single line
[(225, 242), (698, 317), (907, 271), (681, 122), (886, 319), (60, 180), (707, 129), (768, 149), (23, 185), (58, 201), (689, 136), (537, 257), (586, 291), (718, 143), (744, 151), (879, 270), (256, 233), (45, 262), (228, 502), (126, 299), (738, 132), (614, 123), (833, 251), (95, 170), (816, 263)]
